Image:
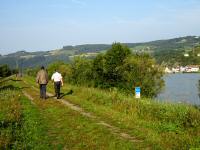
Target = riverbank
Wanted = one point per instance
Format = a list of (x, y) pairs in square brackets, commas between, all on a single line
[(155, 125)]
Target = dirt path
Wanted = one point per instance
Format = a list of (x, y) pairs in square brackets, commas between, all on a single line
[(114, 130)]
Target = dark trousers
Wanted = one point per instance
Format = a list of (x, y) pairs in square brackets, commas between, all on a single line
[(43, 91), (57, 88)]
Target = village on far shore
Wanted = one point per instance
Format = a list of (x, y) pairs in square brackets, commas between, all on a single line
[(182, 69)]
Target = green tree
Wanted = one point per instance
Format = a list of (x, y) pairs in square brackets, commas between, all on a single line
[(5, 71), (114, 59), (119, 68), (81, 71), (116, 68), (99, 71), (141, 70)]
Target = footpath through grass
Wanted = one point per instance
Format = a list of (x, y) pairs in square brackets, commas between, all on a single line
[(159, 125), (38, 124)]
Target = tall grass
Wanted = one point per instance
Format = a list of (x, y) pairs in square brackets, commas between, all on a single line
[(160, 125), (50, 124), (10, 118), (21, 126), (166, 125)]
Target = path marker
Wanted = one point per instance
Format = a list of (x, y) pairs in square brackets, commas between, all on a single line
[(137, 92)]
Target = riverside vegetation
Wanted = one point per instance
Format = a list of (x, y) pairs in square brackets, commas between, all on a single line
[(117, 68), (50, 125), (36, 124)]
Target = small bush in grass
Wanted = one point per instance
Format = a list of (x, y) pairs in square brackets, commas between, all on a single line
[(192, 118)]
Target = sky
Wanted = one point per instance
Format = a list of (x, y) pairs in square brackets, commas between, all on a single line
[(40, 25)]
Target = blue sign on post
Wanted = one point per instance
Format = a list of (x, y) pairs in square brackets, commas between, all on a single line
[(137, 92)]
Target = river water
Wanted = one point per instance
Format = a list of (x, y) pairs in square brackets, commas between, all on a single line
[(181, 87)]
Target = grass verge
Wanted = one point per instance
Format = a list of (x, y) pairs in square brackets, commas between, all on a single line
[(21, 126), (51, 125), (160, 125)]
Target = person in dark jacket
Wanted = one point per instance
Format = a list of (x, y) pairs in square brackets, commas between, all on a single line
[(42, 80)]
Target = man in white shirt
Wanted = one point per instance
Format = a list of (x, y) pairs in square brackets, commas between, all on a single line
[(58, 81)]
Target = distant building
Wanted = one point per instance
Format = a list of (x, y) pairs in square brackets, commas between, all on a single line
[(167, 70), (182, 69), (186, 55), (192, 68), (189, 68), (175, 70)]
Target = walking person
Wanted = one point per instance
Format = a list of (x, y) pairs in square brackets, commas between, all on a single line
[(42, 80), (58, 82)]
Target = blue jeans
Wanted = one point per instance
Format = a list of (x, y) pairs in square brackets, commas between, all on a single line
[(43, 91)]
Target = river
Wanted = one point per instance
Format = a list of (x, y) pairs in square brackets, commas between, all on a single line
[(181, 87)]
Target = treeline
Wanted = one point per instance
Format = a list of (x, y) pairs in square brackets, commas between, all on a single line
[(5, 71), (193, 58), (87, 48), (177, 58), (117, 68)]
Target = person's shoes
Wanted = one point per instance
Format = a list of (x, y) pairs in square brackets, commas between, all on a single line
[(43, 98)]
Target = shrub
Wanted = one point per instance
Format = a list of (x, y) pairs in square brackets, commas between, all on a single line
[(81, 71)]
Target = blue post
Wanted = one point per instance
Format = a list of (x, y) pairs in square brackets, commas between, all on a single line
[(137, 92)]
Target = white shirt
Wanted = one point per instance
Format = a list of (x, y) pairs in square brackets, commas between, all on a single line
[(56, 77)]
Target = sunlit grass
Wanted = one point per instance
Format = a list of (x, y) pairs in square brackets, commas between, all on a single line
[(51, 125), (20, 124), (159, 124)]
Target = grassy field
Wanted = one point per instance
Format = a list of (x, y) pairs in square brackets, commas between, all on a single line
[(51, 125), (37, 124), (21, 124)]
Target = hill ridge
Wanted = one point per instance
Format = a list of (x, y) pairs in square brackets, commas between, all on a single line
[(157, 48)]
